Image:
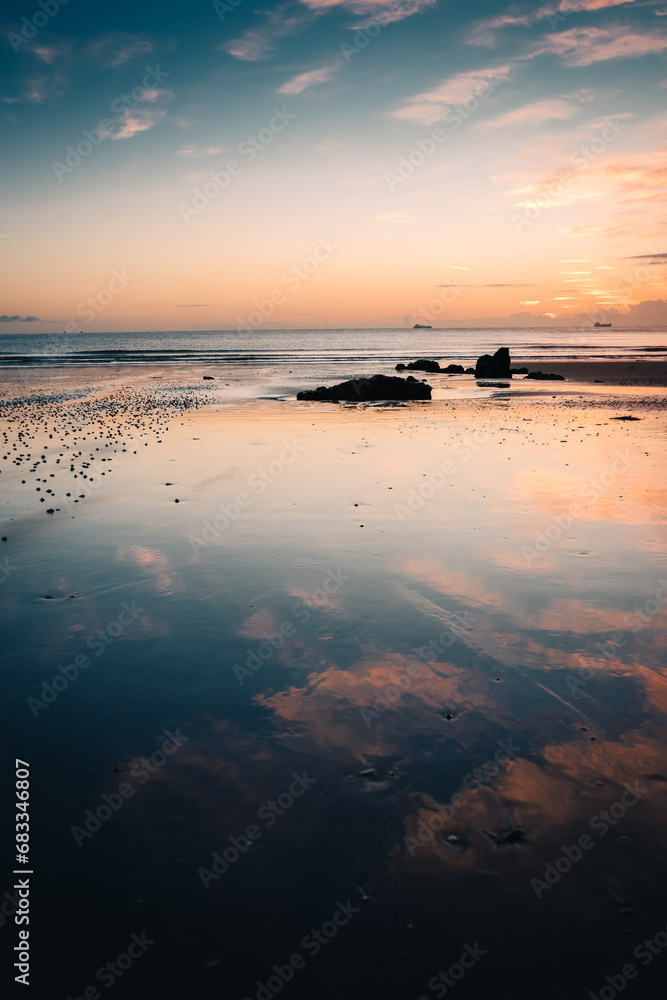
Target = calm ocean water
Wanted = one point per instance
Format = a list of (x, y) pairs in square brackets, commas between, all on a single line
[(316, 347)]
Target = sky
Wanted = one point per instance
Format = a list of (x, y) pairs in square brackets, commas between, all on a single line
[(332, 163)]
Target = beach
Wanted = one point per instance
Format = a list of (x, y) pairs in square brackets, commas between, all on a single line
[(328, 695)]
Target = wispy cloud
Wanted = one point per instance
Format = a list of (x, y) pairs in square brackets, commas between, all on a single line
[(533, 114), (193, 152), (23, 319), (310, 79), (524, 285), (434, 104), (139, 120), (258, 43), (483, 32), (377, 11), (117, 48), (584, 46)]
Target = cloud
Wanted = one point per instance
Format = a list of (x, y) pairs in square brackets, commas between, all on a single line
[(55, 51), (584, 46), (376, 11), (648, 256), (310, 79), (483, 31), (533, 114), (259, 43), (139, 120), (487, 286), (117, 48), (288, 18), (433, 105), (194, 153), (24, 319)]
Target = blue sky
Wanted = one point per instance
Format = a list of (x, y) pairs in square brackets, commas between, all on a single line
[(559, 158)]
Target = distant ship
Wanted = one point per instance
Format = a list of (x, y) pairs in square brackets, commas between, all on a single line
[(603, 324), (422, 326)]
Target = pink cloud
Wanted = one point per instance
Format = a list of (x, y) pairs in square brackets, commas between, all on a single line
[(310, 79), (584, 46), (376, 11), (533, 114), (258, 43), (433, 105), (136, 121), (483, 31)]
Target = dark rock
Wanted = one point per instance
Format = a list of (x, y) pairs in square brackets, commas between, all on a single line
[(496, 366), (519, 371), (208, 378), (545, 377), (423, 365), (377, 387), (469, 371), (454, 369)]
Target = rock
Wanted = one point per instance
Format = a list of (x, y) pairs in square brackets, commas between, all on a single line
[(423, 365), (519, 371), (208, 378), (544, 377), (377, 387), (496, 366), (454, 369), (469, 371)]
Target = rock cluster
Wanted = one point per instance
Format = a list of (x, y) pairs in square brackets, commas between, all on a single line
[(375, 388)]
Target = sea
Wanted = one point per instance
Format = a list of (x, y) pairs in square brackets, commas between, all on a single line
[(324, 352)]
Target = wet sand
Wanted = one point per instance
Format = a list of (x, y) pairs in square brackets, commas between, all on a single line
[(399, 658)]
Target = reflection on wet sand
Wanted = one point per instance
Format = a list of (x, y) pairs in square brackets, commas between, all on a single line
[(463, 711)]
